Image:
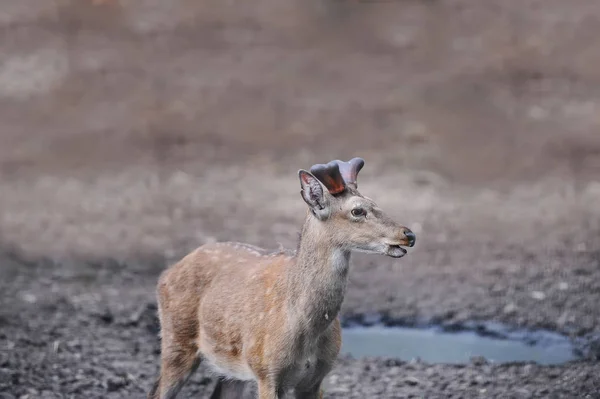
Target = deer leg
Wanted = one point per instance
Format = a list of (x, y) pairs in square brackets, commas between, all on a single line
[(177, 366), (314, 393), (267, 390), (153, 394), (218, 391), (232, 389)]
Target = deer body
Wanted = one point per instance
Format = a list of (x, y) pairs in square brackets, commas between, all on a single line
[(271, 317)]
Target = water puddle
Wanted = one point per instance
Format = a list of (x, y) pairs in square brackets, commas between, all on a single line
[(495, 343)]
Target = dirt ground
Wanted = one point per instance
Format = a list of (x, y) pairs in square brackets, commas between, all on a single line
[(134, 131)]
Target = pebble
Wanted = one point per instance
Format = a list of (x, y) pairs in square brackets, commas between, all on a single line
[(563, 286), (29, 298), (538, 295), (510, 308), (412, 380), (114, 384), (478, 360)]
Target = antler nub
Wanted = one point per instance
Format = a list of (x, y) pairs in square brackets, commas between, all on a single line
[(350, 169), (337, 175), (329, 175)]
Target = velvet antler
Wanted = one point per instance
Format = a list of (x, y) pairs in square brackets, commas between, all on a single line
[(329, 174), (337, 175), (350, 169)]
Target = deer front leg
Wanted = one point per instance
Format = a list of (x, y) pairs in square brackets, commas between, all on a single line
[(179, 359), (267, 390)]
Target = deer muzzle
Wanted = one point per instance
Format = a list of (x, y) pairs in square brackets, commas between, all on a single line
[(406, 238), (409, 237)]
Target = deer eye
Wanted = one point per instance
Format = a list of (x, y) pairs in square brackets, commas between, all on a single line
[(356, 212)]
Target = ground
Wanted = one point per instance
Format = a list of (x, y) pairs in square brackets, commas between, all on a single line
[(135, 131)]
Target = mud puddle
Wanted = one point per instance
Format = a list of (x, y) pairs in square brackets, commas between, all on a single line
[(496, 343)]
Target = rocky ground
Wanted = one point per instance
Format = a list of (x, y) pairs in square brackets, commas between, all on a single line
[(136, 131), (89, 329)]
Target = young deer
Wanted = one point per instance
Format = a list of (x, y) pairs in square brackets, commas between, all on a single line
[(273, 317)]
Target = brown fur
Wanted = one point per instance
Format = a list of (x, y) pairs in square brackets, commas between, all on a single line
[(271, 318)]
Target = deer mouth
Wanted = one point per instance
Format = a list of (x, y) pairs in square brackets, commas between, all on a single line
[(395, 251)]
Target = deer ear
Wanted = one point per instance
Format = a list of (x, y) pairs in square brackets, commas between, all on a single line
[(313, 194)]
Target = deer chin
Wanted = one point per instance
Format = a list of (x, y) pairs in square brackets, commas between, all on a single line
[(395, 251), (391, 250)]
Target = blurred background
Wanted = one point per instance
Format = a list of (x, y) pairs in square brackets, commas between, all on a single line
[(137, 130), (146, 123)]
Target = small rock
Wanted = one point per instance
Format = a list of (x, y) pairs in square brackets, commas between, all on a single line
[(114, 384), (510, 308), (29, 298), (481, 380), (478, 360), (538, 295), (497, 289), (563, 318), (563, 286), (106, 316), (412, 381)]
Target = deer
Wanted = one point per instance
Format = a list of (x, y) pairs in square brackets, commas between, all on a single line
[(272, 317)]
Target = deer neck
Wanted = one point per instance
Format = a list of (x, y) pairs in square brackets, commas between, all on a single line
[(317, 279)]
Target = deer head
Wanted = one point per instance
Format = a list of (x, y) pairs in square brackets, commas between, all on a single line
[(353, 222)]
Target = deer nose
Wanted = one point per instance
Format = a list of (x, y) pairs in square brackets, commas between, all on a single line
[(410, 237)]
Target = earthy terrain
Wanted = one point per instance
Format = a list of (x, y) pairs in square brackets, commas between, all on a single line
[(134, 131)]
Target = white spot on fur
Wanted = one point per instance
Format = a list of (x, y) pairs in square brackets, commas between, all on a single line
[(269, 290), (256, 251), (326, 316)]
